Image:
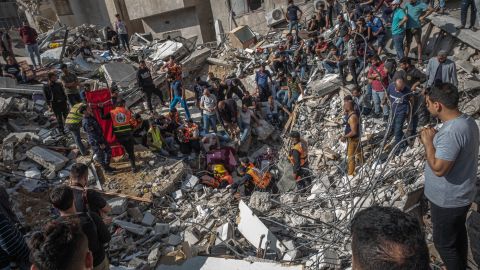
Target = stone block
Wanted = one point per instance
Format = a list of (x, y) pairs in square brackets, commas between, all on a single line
[(260, 201), (325, 259), (118, 205), (191, 236), (148, 219), (161, 228), (224, 233), (8, 152), (473, 228), (153, 256), (33, 173), (6, 104), (47, 158), (131, 227), (190, 182), (177, 195), (174, 240)]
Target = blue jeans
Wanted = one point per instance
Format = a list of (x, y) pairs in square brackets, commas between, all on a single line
[(330, 67), (244, 131), (124, 41), (209, 120), (78, 139), (183, 102), (398, 121), (473, 12), (293, 98), (339, 45), (398, 44), (33, 51), (377, 100), (293, 24), (103, 155)]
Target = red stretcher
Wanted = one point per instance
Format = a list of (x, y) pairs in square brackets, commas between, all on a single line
[(103, 96)]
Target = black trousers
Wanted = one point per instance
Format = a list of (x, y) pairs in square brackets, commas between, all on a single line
[(148, 91), (450, 235), (60, 109), (352, 66), (305, 177), (127, 142)]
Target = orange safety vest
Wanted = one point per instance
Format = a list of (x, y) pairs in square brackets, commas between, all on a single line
[(303, 153), (121, 120), (220, 174), (261, 180)]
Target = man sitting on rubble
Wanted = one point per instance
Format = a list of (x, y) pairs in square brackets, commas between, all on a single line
[(387, 238), (56, 100), (101, 150), (298, 156), (188, 136), (71, 84), (155, 140), (281, 87), (112, 39), (13, 70), (123, 125), (330, 63), (272, 110), (252, 178), (85, 51), (86, 199), (92, 225)]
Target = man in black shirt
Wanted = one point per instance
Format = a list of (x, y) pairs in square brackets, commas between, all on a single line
[(86, 199), (228, 112), (92, 225), (145, 82), (112, 38), (292, 17), (56, 100), (85, 51)]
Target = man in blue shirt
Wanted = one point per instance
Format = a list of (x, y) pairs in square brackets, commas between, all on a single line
[(292, 17), (261, 79), (400, 99), (416, 12), (376, 31), (398, 28), (177, 94)]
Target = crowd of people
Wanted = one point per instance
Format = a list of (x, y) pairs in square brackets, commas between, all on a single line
[(402, 93)]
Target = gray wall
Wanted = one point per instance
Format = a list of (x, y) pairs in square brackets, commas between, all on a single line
[(184, 20), (87, 12)]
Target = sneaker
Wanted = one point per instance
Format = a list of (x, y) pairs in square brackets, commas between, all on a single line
[(385, 118), (108, 170), (473, 28), (459, 27)]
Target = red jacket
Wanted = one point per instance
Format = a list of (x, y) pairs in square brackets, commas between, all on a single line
[(29, 35)]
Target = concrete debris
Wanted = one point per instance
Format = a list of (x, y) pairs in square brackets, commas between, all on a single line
[(131, 227), (148, 219), (47, 158), (118, 205), (260, 201)]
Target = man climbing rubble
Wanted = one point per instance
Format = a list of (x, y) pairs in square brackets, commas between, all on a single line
[(73, 124), (298, 156), (252, 178), (56, 100), (145, 82), (122, 123)]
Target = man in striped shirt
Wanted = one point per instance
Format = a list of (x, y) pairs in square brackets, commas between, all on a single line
[(12, 245)]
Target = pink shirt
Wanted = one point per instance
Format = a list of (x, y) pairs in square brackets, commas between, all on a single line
[(378, 85)]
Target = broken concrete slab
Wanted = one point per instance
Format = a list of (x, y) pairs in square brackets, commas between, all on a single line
[(472, 107), (224, 233), (196, 59), (190, 182), (260, 201), (447, 23), (21, 136), (174, 240), (153, 256), (326, 259), (213, 263), (166, 49), (122, 74), (49, 159), (131, 227), (51, 55), (6, 104), (252, 229), (118, 205), (470, 85), (465, 65), (8, 152), (219, 62), (191, 236), (135, 214)]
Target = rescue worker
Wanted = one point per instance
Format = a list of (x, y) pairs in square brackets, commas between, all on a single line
[(252, 178), (99, 144), (221, 177), (145, 82), (188, 136), (155, 141), (123, 125), (299, 158), (73, 123), (234, 86), (56, 100)]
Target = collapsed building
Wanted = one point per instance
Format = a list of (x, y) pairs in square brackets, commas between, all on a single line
[(164, 218)]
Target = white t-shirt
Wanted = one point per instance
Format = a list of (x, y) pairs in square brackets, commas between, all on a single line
[(121, 27), (209, 103)]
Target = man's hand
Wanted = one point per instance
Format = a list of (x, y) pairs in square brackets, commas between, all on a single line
[(427, 135), (102, 146)]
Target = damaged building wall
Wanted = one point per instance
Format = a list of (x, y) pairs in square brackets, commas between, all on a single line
[(175, 18), (84, 12)]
